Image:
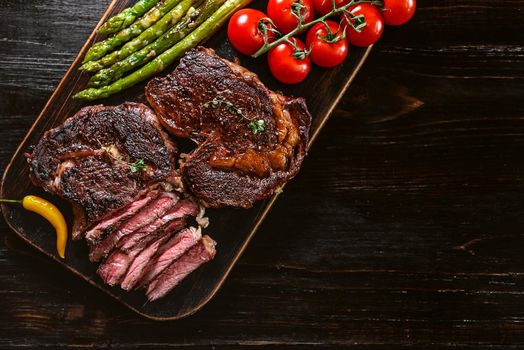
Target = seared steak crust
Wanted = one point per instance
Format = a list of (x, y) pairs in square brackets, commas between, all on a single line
[(214, 102), (88, 160)]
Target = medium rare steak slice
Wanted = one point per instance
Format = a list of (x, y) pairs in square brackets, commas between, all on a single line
[(108, 224), (144, 218), (250, 140), (170, 251), (179, 243), (102, 159), (130, 249), (180, 210), (112, 271), (115, 267), (202, 252), (141, 261)]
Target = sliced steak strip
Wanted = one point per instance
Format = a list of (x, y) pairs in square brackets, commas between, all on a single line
[(181, 209), (87, 160), (112, 271), (184, 240), (202, 252), (141, 261), (95, 234), (148, 215), (169, 252)]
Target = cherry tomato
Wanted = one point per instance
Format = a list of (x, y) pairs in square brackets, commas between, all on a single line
[(285, 66), (323, 7), (323, 53), (397, 12), (373, 29), (243, 31), (280, 12)]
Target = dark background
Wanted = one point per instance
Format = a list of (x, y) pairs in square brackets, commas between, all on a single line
[(403, 230)]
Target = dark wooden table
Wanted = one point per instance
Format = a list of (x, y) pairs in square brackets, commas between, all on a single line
[(403, 230)]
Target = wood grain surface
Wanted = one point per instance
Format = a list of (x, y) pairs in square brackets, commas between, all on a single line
[(403, 230)]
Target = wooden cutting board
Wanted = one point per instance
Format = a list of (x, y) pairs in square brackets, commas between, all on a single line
[(231, 228)]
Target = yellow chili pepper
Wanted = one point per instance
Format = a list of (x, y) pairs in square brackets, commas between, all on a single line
[(51, 213)]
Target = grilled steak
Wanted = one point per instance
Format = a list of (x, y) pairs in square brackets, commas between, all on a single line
[(200, 253), (179, 211), (144, 220), (95, 234), (250, 140), (117, 168), (141, 261), (171, 251), (102, 159), (130, 247), (115, 267), (113, 270), (144, 262), (134, 250)]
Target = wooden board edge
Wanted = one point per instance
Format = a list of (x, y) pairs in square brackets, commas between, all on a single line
[(244, 245), (339, 96)]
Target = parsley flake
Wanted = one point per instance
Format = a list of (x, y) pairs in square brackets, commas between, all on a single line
[(257, 126), (137, 166)]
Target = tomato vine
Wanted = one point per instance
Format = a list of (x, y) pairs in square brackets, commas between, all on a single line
[(266, 25)]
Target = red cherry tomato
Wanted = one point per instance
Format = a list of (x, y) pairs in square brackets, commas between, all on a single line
[(323, 53), (243, 31), (323, 7), (397, 12), (280, 12), (373, 29), (283, 64)]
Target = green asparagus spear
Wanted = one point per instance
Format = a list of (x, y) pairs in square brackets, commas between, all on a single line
[(101, 48), (204, 31), (192, 20), (147, 37), (125, 18)]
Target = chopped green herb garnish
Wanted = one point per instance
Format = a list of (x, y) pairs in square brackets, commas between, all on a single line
[(256, 126), (137, 166)]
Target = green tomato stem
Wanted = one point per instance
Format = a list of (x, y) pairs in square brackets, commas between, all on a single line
[(16, 201), (301, 26)]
